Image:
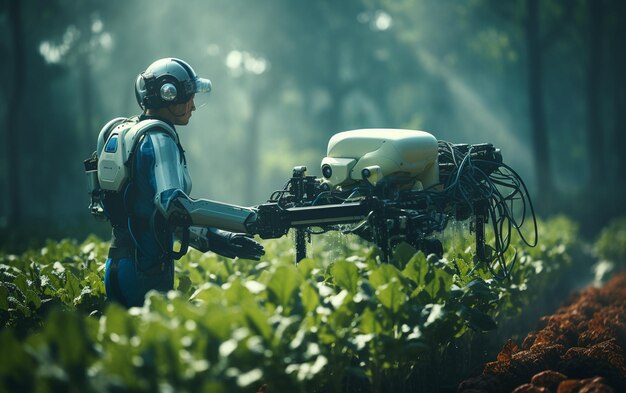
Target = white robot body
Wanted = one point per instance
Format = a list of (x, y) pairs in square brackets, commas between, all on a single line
[(407, 157)]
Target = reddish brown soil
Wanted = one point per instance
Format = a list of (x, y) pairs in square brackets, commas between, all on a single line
[(579, 349)]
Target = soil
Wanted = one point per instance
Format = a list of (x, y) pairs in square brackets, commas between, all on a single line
[(578, 349)]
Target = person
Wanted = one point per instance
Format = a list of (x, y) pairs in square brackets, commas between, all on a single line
[(149, 208)]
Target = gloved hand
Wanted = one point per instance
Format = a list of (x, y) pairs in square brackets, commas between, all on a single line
[(231, 245)]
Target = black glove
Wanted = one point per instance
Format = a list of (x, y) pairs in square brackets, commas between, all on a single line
[(231, 245)]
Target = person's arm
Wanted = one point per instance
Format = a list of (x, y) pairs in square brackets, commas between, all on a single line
[(179, 209)]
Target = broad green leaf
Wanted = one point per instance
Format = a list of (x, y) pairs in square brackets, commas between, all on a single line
[(370, 322), (96, 283), (208, 292), (72, 285), (283, 284), (306, 265), (383, 275), (345, 275), (478, 286), (157, 303), (439, 284), (443, 293), (33, 297), (257, 320), (114, 321), (482, 290), (310, 297), (477, 319), (21, 282), (221, 320), (430, 274), (462, 264), (236, 292), (184, 283), (422, 296), (415, 269), (392, 295), (403, 253)]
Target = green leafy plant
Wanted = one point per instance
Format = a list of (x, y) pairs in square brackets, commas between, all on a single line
[(610, 248), (339, 318)]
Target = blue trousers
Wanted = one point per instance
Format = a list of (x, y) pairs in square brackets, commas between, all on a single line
[(133, 285)]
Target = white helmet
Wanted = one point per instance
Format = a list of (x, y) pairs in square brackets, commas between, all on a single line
[(166, 82)]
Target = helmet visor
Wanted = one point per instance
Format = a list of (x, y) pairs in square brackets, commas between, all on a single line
[(201, 85)]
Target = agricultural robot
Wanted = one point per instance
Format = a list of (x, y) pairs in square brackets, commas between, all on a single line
[(390, 186)]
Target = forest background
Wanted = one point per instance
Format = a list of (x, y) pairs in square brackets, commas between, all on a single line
[(542, 80)]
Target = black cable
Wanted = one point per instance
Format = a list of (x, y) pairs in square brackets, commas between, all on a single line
[(472, 179)]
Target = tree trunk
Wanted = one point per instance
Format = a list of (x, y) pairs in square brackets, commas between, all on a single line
[(535, 95), (12, 137), (595, 132)]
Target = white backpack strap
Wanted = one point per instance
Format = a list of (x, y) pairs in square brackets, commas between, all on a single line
[(133, 135)]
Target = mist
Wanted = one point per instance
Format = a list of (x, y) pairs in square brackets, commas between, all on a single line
[(542, 81)]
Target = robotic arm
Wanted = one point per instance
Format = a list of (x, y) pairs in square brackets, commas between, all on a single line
[(202, 219)]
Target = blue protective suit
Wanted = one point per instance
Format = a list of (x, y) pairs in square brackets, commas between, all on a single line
[(140, 258)]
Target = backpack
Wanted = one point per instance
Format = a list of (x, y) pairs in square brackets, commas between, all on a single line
[(109, 167)]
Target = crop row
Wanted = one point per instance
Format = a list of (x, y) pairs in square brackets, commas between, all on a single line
[(340, 321)]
